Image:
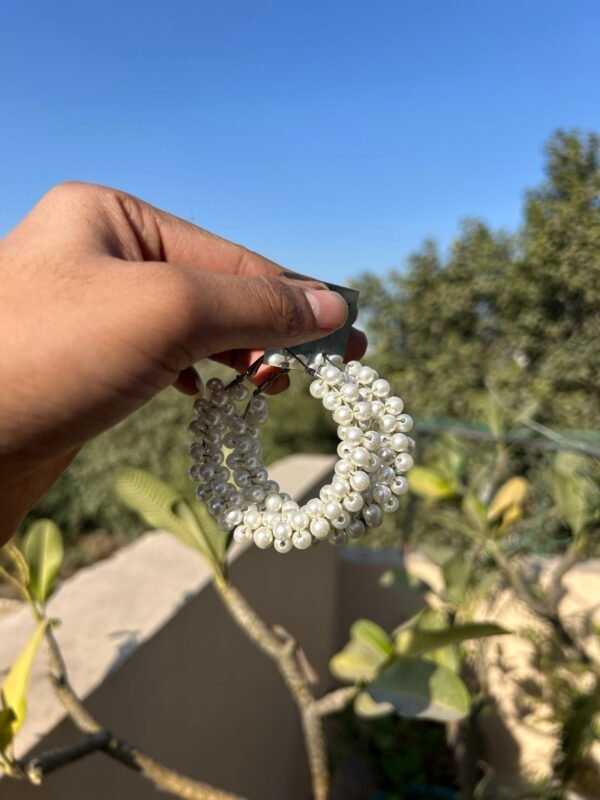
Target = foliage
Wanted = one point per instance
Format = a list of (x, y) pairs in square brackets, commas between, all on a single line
[(486, 522), (514, 312)]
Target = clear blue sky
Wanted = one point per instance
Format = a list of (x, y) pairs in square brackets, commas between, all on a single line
[(332, 136)]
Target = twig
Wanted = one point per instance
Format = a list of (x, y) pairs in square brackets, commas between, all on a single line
[(117, 748), (335, 701), (43, 764), (282, 650)]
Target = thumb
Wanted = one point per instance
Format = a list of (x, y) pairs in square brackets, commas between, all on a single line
[(207, 312)]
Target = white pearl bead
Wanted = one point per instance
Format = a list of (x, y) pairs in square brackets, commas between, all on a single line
[(360, 456), (356, 529), (299, 520), (391, 505), (332, 400), (342, 520), (343, 415), (372, 515), (289, 507), (380, 388), (331, 375), (403, 462), (320, 528), (301, 540), (242, 535), (239, 392), (343, 467), (339, 487), (405, 423), (353, 367), (354, 435), (362, 410), (273, 502), (394, 405), (314, 507), (263, 538), (360, 481), (233, 518), (388, 423), (377, 409), (353, 502), (253, 518), (399, 486), (318, 388), (399, 442), (283, 545), (332, 509), (344, 449), (366, 375), (381, 494), (349, 392), (270, 519), (372, 440), (283, 530)]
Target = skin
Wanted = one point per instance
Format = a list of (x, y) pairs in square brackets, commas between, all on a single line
[(105, 302)]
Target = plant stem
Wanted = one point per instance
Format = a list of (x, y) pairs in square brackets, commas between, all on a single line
[(283, 651), (117, 748)]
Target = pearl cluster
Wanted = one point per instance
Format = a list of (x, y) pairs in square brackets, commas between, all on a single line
[(374, 455)]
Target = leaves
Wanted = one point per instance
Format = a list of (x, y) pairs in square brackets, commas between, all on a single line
[(430, 484), (419, 688), (43, 550), (508, 502), (163, 508), (14, 689), (401, 578), (427, 632), (575, 493), (476, 512), (367, 651), (366, 707)]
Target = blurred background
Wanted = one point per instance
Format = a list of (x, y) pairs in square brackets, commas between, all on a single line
[(442, 157)]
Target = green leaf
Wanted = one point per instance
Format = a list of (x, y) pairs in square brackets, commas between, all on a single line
[(575, 493), (367, 651), (419, 640), (457, 573), (420, 688), (43, 549), (494, 415), (430, 484), (366, 707), (14, 688), (7, 718), (476, 512), (163, 508)]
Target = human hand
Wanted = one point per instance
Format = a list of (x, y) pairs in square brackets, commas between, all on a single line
[(105, 302)]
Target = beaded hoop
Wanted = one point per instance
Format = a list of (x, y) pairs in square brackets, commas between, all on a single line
[(374, 455)]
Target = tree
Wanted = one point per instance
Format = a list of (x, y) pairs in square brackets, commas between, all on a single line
[(518, 313)]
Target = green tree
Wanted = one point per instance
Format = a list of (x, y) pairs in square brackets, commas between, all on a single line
[(516, 312)]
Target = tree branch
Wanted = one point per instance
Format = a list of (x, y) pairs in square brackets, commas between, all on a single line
[(43, 764), (283, 651), (335, 701), (119, 749)]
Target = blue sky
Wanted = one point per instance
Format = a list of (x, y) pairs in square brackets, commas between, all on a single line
[(331, 136)]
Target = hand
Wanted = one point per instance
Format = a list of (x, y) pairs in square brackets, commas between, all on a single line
[(105, 302)]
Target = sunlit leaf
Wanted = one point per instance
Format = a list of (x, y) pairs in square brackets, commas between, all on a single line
[(427, 632), (365, 706), (368, 649), (163, 508), (43, 549), (430, 484), (512, 493), (420, 688), (14, 689)]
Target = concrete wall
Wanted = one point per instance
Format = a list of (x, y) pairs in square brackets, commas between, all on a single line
[(159, 661)]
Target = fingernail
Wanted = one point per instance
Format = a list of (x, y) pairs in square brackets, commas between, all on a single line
[(330, 309)]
